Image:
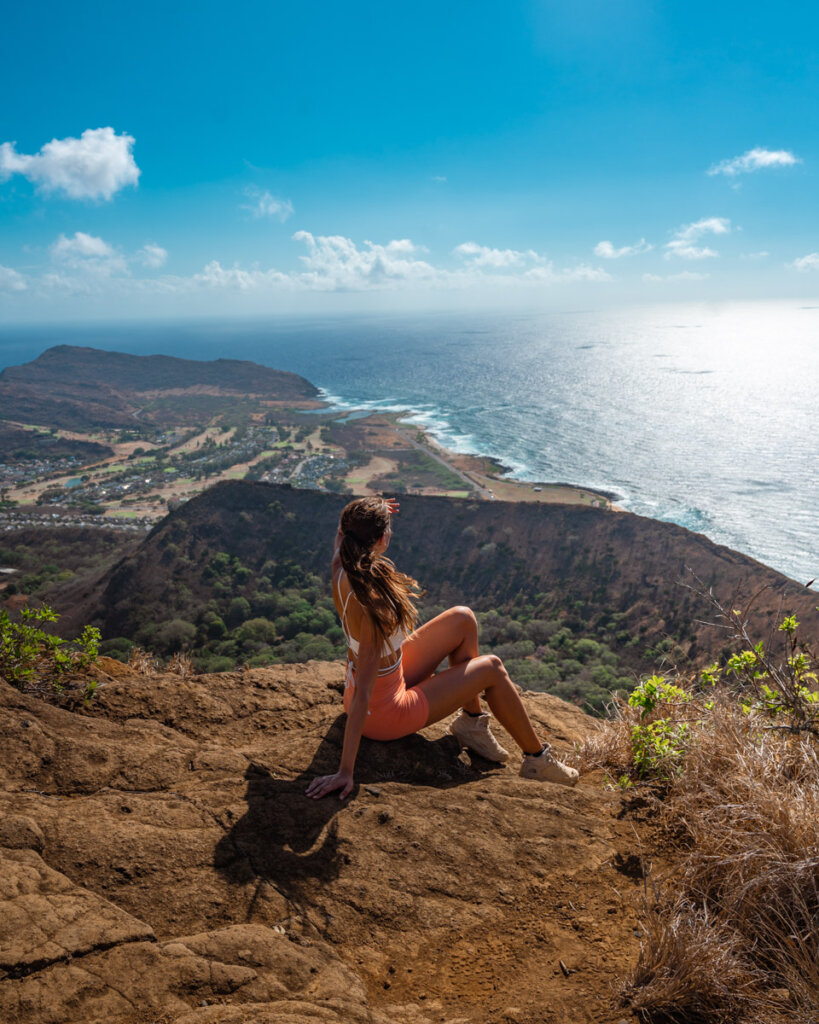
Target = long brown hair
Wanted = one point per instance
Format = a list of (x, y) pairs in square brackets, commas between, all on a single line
[(385, 594)]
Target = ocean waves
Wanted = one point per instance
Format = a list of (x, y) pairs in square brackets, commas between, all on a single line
[(694, 415)]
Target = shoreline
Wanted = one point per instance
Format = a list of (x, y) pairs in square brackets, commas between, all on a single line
[(484, 475), (329, 445)]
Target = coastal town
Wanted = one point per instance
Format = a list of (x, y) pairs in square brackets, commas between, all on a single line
[(147, 476), (150, 473), (148, 436)]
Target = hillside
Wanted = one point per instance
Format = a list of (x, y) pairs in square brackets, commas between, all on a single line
[(79, 388), (226, 556), (160, 862), (26, 445)]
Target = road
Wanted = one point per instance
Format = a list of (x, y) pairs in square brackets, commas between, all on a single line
[(484, 493)]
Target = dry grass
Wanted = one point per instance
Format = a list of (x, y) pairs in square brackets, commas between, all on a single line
[(146, 664), (733, 933), (672, 984), (610, 747), (143, 662), (181, 665)]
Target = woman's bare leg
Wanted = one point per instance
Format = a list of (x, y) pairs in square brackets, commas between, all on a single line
[(454, 635), (457, 687)]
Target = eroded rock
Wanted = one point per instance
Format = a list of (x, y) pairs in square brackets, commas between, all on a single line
[(162, 862)]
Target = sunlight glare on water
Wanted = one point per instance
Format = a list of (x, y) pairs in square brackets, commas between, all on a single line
[(702, 415)]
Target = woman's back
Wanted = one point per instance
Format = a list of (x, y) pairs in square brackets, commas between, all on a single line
[(352, 616)]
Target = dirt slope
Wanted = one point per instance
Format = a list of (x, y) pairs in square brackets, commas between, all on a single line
[(161, 863)]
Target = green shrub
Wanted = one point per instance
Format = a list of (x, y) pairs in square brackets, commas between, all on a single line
[(118, 647), (586, 649), (174, 635), (215, 663), (238, 611), (256, 631), (516, 649), (32, 659)]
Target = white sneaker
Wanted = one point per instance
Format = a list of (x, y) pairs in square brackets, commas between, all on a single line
[(473, 731), (545, 768)]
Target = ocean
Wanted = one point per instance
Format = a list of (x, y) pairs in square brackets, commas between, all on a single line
[(706, 415)]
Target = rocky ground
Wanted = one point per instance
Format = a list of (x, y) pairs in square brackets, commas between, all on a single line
[(159, 862)]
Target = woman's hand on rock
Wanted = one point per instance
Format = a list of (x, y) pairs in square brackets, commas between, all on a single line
[(325, 784)]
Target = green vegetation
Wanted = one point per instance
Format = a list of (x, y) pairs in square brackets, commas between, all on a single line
[(48, 557), (658, 745), (782, 689), (416, 470), (553, 655), (284, 613), (18, 445), (246, 582), (33, 660), (240, 576), (729, 760), (280, 614)]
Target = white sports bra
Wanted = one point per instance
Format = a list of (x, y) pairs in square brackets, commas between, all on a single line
[(392, 645)]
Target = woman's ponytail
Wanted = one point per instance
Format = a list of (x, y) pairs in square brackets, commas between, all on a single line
[(385, 594)]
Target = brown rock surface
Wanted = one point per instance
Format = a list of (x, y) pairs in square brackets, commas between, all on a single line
[(160, 862)]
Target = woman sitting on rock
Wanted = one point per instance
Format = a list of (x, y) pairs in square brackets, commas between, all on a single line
[(390, 690)]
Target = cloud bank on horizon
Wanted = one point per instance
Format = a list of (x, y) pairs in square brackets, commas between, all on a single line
[(266, 187)]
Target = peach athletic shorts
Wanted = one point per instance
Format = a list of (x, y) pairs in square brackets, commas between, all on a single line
[(395, 709)]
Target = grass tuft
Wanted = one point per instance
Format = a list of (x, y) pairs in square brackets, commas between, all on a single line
[(731, 934)]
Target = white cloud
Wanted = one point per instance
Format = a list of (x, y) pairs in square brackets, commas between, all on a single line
[(440, 178), (95, 166), (608, 252), (80, 245), (526, 266), (583, 272), (754, 160), (685, 275), (335, 262), (88, 254), (761, 255), (547, 274), (152, 255), (483, 256), (11, 280), (682, 244), (216, 276), (87, 265), (803, 263), (265, 204)]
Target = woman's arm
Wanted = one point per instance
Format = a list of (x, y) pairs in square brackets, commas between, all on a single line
[(365, 677)]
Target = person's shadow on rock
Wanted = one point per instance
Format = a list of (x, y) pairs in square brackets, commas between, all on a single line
[(288, 839)]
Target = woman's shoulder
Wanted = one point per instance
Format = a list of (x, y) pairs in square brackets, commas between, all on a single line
[(341, 585)]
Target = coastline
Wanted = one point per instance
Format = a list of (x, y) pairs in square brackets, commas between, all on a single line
[(316, 442), (484, 476)]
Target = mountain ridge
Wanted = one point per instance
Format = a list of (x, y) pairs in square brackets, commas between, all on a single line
[(584, 565), (78, 387)]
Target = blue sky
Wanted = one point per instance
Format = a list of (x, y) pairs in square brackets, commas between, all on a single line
[(188, 158)]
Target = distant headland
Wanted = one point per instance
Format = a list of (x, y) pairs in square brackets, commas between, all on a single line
[(88, 434)]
